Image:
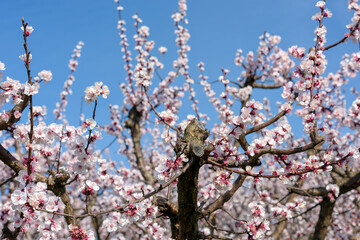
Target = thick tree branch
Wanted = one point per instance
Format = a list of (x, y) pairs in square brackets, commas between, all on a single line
[(265, 124), (133, 123), (56, 184), (18, 107), (289, 151), (266, 86), (219, 203), (194, 136), (10, 160), (254, 161), (324, 221), (170, 210), (351, 184)]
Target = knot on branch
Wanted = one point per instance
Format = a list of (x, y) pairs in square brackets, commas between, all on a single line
[(165, 206), (194, 136), (134, 118), (170, 210), (58, 179)]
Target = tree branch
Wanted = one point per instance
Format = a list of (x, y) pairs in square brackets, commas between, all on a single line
[(133, 123), (266, 86), (54, 183), (187, 187), (344, 38), (324, 221), (219, 203), (10, 160), (311, 192), (351, 184), (18, 107)]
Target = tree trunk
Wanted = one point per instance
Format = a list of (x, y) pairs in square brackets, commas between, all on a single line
[(187, 199), (324, 221), (194, 137)]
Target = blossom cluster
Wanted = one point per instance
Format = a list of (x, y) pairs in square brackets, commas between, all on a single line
[(73, 63), (2, 66), (93, 92)]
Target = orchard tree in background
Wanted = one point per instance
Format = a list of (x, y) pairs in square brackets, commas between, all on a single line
[(248, 176)]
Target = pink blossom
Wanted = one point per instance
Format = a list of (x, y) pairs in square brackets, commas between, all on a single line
[(297, 52), (223, 179), (169, 117), (73, 64), (110, 225), (257, 209), (162, 50), (91, 123), (37, 199), (89, 187), (52, 204), (2, 66), (239, 58), (333, 191), (18, 197), (45, 75), (29, 30), (93, 92), (10, 86), (25, 58), (320, 4), (31, 89)]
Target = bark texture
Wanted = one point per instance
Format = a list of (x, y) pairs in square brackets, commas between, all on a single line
[(194, 136), (324, 221), (133, 123)]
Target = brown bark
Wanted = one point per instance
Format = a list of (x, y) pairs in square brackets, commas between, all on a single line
[(327, 208), (18, 107), (170, 210), (194, 136), (133, 123), (352, 183), (187, 197), (324, 221), (10, 160), (56, 184)]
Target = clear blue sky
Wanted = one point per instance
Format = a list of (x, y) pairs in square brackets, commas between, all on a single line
[(217, 27)]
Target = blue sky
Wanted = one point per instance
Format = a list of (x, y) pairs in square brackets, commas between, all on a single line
[(217, 27)]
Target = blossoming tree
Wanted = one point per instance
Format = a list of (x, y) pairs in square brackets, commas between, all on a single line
[(248, 176)]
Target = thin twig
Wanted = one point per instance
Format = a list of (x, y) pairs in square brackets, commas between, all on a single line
[(158, 115), (90, 131), (344, 38), (258, 175), (8, 180), (298, 215)]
